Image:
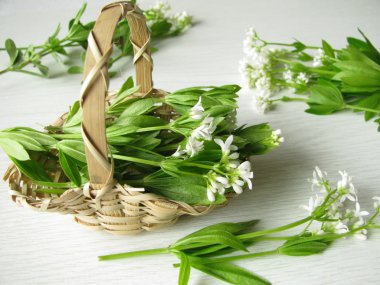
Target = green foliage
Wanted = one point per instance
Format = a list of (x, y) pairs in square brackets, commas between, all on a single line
[(31, 56), (141, 145)]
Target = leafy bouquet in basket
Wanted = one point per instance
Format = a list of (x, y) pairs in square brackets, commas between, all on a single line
[(139, 157)]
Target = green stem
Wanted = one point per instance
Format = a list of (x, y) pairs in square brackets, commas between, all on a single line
[(155, 128), (134, 254), (359, 108), (274, 230), (289, 45), (289, 99), (137, 160)]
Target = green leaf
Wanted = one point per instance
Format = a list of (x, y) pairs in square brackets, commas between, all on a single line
[(329, 51), (73, 148), (43, 69), (43, 139), (190, 189), (298, 46), (371, 102), (230, 273), (255, 140), (14, 149), (302, 248), (11, 49), (128, 84), (70, 168), (75, 70), (26, 141), (32, 169), (139, 107), (210, 237), (325, 98), (184, 270), (228, 226)]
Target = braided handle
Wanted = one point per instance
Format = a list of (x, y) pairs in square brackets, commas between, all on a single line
[(95, 82)]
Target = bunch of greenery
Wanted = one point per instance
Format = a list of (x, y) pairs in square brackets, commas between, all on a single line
[(185, 159), (334, 213), (162, 25), (328, 80)]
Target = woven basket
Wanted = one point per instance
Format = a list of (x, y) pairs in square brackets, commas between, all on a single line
[(104, 204)]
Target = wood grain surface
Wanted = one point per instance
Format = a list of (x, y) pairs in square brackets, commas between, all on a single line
[(41, 248)]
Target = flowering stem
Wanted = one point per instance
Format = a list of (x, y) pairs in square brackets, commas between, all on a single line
[(275, 230), (134, 254), (359, 108)]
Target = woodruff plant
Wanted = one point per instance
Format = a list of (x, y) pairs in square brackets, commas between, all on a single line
[(327, 79), (333, 213), (161, 22)]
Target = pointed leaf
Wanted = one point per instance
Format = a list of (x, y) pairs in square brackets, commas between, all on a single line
[(231, 273)]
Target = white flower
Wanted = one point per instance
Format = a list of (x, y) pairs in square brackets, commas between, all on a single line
[(251, 42), (205, 130), (376, 204), (179, 152), (318, 58), (210, 195), (335, 227), (180, 21), (261, 101), (313, 204), (276, 137), (288, 76), (245, 173), (346, 188), (361, 234), (360, 214), (193, 146), (227, 147), (216, 184), (319, 178), (302, 78), (197, 111)]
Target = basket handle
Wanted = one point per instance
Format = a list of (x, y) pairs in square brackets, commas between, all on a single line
[(95, 82)]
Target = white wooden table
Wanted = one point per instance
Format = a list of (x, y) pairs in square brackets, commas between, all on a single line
[(40, 248)]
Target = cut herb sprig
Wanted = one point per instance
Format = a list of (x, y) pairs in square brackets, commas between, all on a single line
[(328, 80), (334, 214), (161, 22)]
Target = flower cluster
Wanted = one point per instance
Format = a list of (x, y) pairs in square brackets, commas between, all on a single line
[(337, 209), (229, 172), (202, 133), (266, 71), (160, 12)]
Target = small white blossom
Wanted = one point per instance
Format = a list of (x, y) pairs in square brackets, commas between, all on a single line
[(245, 173), (276, 137), (193, 146), (302, 78), (205, 130), (346, 188), (180, 22), (313, 204), (227, 147), (179, 152), (376, 203), (335, 227), (360, 214), (319, 178), (288, 76), (318, 58), (261, 101), (197, 111)]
